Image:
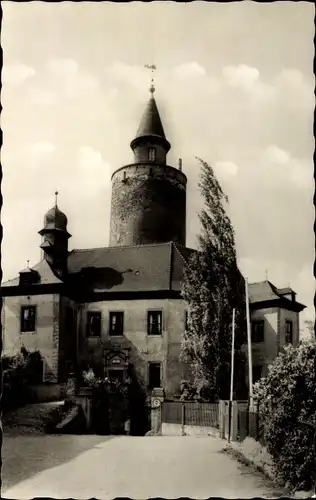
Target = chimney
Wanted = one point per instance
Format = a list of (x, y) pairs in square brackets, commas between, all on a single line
[(180, 164)]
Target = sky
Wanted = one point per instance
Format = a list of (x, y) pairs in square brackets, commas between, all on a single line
[(234, 86)]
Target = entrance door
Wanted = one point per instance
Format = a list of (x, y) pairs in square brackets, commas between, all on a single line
[(116, 375)]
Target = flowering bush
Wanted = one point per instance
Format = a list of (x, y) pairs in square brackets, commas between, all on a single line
[(90, 378), (287, 403)]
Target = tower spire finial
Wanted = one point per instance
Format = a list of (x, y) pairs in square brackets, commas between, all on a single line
[(56, 196), (153, 68)]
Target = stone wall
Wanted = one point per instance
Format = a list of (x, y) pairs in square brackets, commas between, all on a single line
[(46, 335), (264, 353), (289, 316), (148, 205), (142, 348)]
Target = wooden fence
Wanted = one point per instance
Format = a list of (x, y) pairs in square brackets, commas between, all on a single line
[(190, 413), (250, 425)]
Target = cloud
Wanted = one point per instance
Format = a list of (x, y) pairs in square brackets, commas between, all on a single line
[(133, 75), (93, 170), (190, 69), (285, 168), (241, 76), (16, 74), (72, 79), (290, 77), (225, 170), (277, 155), (62, 66)]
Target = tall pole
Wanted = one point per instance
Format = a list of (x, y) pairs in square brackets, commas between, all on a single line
[(249, 345), (232, 359)]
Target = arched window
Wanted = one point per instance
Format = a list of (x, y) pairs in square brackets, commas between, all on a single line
[(152, 154)]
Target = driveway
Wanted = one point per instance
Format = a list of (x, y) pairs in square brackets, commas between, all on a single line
[(125, 466)]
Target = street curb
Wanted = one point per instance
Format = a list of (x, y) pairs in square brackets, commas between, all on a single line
[(246, 461)]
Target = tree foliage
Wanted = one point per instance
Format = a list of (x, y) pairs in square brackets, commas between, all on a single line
[(19, 373), (287, 404), (212, 287)]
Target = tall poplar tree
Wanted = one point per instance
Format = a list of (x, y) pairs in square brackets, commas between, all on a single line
[(212, 287)]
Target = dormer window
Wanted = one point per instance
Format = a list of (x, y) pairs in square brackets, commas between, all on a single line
[(29, 277), (152, 154)]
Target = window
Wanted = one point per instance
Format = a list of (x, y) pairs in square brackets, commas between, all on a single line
[(186, 320), (116, 323), (154, 375), (256, 373), (257, 331), (93, 324), (154, 321), (152, 154), (289, 332), (28, 318)]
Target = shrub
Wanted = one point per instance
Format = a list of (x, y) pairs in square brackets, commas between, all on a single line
[(286, 398), (188, 391), (19, 372)]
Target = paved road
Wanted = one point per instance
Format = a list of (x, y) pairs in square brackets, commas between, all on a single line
[(137, 467)]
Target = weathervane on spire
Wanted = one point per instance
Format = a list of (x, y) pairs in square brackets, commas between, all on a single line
[(56, 195), (153, 68)]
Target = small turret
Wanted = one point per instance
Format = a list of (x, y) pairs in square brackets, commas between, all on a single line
[(55, 240)]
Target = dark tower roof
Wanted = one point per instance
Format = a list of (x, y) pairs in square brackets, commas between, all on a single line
[(150, 123), (151, 126), (55, 219)]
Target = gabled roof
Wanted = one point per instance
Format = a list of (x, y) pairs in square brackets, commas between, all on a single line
[(285, 291), (122, 269), (144, 268), (265, 291), (44, 271), (262, 291)]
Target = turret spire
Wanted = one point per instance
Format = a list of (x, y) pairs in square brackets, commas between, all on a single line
[(56, 195)]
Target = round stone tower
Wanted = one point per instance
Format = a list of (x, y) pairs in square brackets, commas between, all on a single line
[(148, 196)]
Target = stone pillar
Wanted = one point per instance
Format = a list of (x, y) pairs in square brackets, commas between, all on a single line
[(84, 399), (222, 418), (71, 388), (234, 422), (157, 399)]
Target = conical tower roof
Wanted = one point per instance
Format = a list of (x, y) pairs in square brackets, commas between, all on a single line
[(150, 124)]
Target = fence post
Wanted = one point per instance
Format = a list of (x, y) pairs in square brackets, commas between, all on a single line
[(182, 419), (229, 419), (221, 408), (257, 422), (234, 421)]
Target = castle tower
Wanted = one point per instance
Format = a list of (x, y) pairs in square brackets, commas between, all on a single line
[(55, 240), (148, 197)]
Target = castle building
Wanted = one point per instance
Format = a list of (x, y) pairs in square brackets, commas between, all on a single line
[(120, 306)]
